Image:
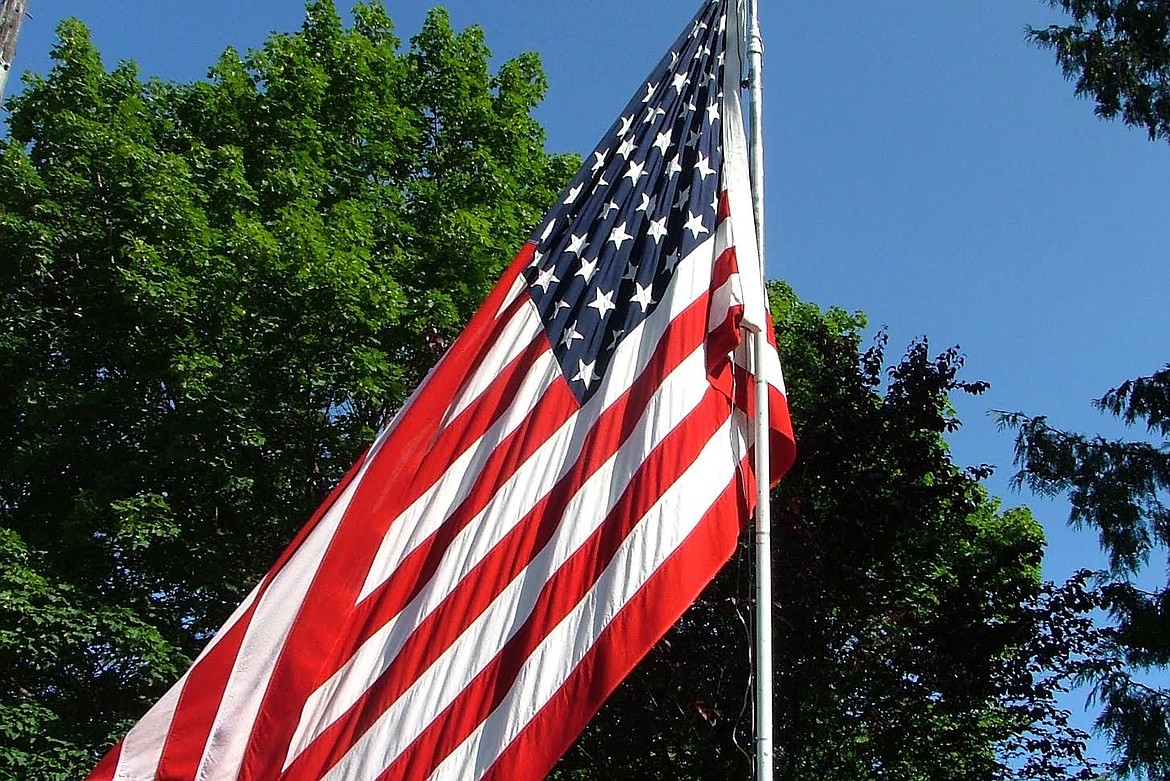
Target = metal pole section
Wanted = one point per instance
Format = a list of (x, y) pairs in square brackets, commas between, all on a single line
[(763, 541), (12, 13)]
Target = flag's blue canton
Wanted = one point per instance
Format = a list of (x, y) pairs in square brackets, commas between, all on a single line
[(646, 197)]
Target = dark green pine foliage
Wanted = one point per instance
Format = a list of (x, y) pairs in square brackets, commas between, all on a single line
[(1118, 487), (211, 294), (1118, 53), (914, 638)]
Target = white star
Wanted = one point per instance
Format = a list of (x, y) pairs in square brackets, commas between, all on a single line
[(573, 194), (537, 256), (585, 373), (600, 162), (576, 245), (699, 27), (684, 196), (602, 183), (649, 92), (703, 52), (562, 304), (587, 270), (617, 335), (662, 140), (720, 58), (657, 111), (619, 236), (673, 59), (610, 207), (631, 270), (704, 166), (642, 297), (713, 112), (627, 123), (548, 229), (648, 204), (570, 335), (695, 225), (635, 172), (627, 147), (693, 140), (673, 167), (680, 81), (715, 203), (603, 303), (672, 261), (657, 229), (545, 278)]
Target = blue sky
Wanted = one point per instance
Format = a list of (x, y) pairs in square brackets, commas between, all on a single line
[(924, 164)]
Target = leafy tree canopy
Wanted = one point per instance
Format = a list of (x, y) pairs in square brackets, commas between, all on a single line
[(211, 294)]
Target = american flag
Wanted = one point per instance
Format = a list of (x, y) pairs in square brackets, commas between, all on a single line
[(568, 478)]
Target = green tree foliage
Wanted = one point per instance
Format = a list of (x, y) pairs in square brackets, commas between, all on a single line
[(211, 294), (1118, 53), (1119, 488), (915, 639)]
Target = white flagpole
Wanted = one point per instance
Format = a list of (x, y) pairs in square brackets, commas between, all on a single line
[(763, 540), (12, 13)]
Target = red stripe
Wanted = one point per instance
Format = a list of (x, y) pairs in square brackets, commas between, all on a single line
[(633, 632), (635, 629), (344, 626), (783, 442), (417, 568), (421, 444), (561, 593), (453, 440), (515, 551), (725, 334), (547, 417), (105, 769), (783, 450), (204, 684), (203, 691), (344, 564)]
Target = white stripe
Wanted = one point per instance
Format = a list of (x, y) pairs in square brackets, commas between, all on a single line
[(674, 400), (275, 614), (739, 200), (772, 370), (136, 762), (458, 666), (729, 294), (142, 747), (144, 737), (519, 285), (509, 341), (427, 514), (656, 537)]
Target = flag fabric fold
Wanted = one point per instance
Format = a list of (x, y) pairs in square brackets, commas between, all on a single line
[(555, 494)]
